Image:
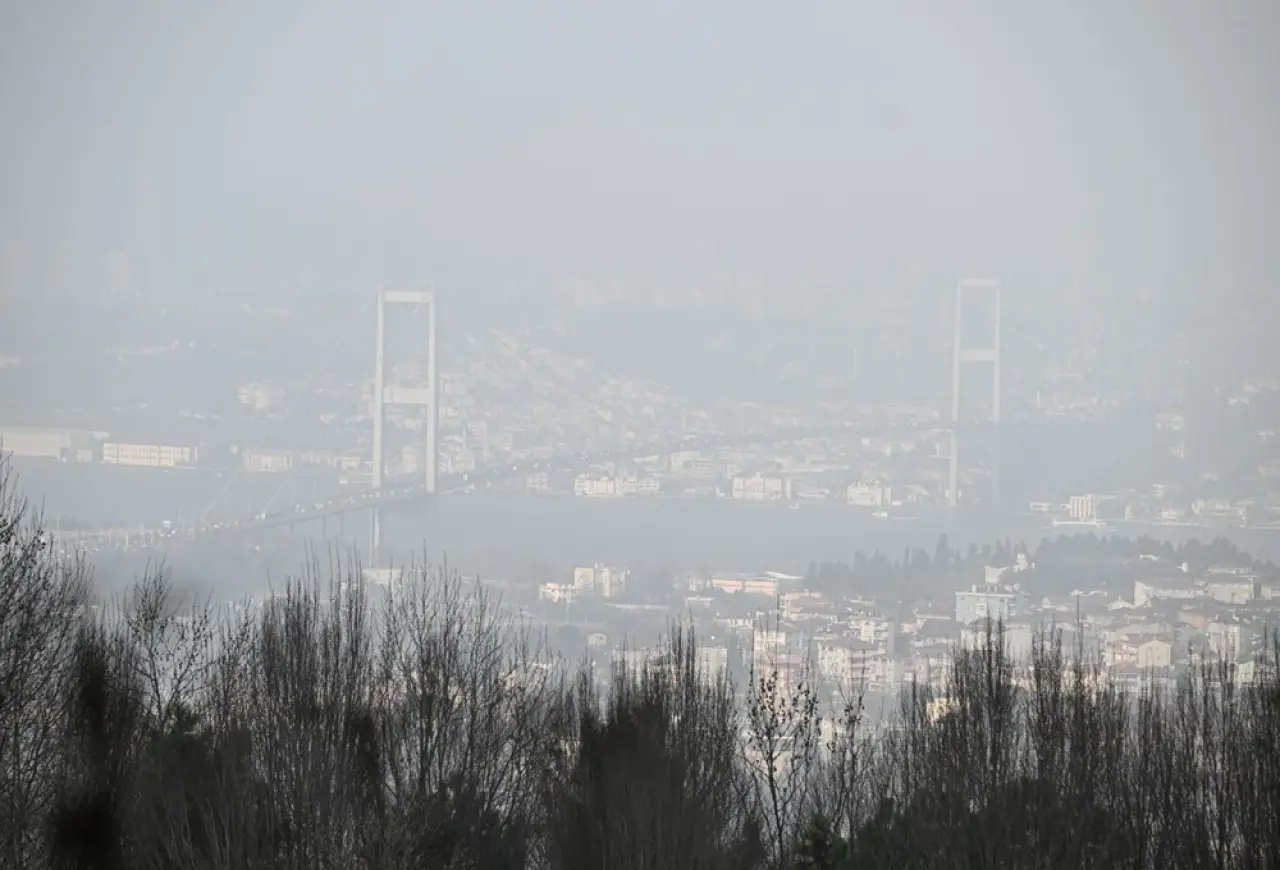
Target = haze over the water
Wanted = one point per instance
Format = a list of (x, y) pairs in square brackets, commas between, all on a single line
[(1101, 149)]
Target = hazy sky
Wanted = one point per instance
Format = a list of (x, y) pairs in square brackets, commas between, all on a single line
[(821, 143)]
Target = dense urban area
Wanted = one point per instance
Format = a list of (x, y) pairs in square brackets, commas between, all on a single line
[(520, 414), (1130, 574), (168, 392), (677, 436)]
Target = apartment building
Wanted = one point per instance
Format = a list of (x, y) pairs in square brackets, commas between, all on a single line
[(263, 461), (758, 487), (587, 486), (607, 581), (558, 592), (997, 603), (148, 455), (1083, 508), (747, 584), (1151, 590)]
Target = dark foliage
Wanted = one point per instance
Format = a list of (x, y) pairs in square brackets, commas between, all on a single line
[(322, 730)]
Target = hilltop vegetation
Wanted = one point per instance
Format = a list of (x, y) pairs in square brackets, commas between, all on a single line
[(424, 729)]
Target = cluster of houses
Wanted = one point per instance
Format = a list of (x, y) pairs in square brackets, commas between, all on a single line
[(1155, 628), (1167, 623)]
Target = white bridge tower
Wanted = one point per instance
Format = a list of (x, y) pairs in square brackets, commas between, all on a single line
[(962, 356), (384, 395)]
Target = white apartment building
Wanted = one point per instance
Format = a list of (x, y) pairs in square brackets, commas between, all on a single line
[(780, 655), (878, 631), (747, 584), (587, 486), (852, 663), (758, 487), (1083, 508), (1231, 638), (713, 660), (1018, 638), (326, 459), (627, 484), (148, 455), (635, 659), (260, 461), (1235, 590), (607, 581), (47, 443), (1155, 653), (999, 604), (1173, 589), (1138, 651), (558, 592)]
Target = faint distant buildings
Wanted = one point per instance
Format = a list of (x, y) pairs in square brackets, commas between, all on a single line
[(607, 581), (759, 487), (1150, 590), (588, 486), (710, 663), (1234, 590), (1231, 637), (875, 629), (713, 660), (1138, 651), (266, 460), (1083, 508), (329, 459), (263, 461), (26, 441), (780, 653), (767, 584), (629, 483), (149, 455), (460, 461), (870, 495), (1218, 509), (850, 663), (604, 581), (998, 602), (558, 592), (1018, 637), (691, 463), (260, 395), (477, 438), (622, 484)]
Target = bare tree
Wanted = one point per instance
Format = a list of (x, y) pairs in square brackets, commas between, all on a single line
[(781, 751), (652, 780), (464, 698), (41, 597)]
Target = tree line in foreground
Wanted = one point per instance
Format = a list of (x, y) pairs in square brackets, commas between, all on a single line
[(425, 729)]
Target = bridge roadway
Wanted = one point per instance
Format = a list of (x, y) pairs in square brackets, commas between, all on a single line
[(367, 499)]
